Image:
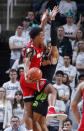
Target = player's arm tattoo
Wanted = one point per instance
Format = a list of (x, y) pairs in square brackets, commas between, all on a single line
[(30, 52)]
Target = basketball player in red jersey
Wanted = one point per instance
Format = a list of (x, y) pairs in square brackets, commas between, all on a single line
[(32, 58), (74, 105)]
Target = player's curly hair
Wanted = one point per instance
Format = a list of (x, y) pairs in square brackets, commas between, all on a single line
[(35, 32)]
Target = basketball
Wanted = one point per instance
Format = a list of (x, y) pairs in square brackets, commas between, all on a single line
[(35, 74)]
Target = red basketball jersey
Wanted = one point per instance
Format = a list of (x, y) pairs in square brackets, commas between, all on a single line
[(36, 60)]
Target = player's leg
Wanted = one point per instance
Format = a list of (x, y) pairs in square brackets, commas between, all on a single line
[(28, 96), (42, 122), (49, 90), (36, 125), (52, 94), (40, 108), (28, 116), (39, 122)]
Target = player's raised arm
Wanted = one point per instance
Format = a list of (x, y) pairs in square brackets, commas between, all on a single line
[(44, 19), (53, 14)]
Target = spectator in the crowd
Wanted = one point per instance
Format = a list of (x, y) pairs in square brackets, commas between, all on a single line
[(20, 71), (69, 69), (31, 15), (33, 21), (80, 23), (5, 110), (15, 125), (70, 27), (19, 62), (12, 85), (79, 36), (67, 125), (63, 42), (18, 106), (16, 43), (62, 89), (67, 82), (80, 57), (26, 29), (66, 5), (64, 45), (66, 79)]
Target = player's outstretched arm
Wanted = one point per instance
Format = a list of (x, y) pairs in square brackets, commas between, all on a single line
[(53, 14)]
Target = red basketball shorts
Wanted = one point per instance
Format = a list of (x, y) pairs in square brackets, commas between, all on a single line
[(29, 89)]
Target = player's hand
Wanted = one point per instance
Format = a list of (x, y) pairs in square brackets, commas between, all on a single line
[(54, 12), (44, 16)]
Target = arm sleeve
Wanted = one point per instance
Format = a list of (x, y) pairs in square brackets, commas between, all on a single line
[(53, 33)]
